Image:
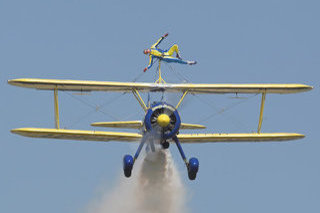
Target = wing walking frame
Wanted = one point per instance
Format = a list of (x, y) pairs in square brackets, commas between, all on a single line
[(162, 86)]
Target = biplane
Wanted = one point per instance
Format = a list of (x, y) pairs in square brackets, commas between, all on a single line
[(162, 123)]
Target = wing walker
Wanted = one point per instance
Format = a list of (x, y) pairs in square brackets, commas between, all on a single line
[(162, 122)]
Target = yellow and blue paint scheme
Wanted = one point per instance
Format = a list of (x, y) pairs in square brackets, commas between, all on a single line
[(162, 121), (164, 55)]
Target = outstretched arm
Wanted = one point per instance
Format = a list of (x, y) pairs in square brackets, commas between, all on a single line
[(150, 63), (155, 45)]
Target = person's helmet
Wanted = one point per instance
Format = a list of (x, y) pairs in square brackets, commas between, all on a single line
[(146, 51)]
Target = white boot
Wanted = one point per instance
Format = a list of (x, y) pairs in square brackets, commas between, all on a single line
[(191, 62)]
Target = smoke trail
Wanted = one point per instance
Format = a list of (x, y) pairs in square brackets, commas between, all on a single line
[(155, 187)]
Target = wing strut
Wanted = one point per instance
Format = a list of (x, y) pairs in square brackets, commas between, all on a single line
[(263, 98), (56, 109), (184, 95), (139, 99)]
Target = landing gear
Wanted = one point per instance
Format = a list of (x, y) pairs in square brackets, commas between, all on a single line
[(165, 145), (192, 165), (128, 160), (127, 165)]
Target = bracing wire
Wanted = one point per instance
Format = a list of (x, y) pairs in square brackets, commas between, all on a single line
[(95, 108), (138, 77), (223, 110), (98, 108), (80, 119), (218, 111), (178, 74), (112, 100)]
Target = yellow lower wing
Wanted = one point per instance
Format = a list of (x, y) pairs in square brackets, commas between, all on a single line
[(77, 134), (238, 137), (124, 136)]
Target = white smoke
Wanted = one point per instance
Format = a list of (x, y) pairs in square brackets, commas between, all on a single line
[(154, 187)]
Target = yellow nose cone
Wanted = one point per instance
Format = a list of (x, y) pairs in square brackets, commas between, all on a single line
[(163, 120)]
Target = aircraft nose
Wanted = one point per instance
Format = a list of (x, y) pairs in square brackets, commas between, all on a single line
[(163, 120)]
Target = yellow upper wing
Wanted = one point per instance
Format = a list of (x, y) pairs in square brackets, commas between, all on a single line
[(124, 136), (78, 85)]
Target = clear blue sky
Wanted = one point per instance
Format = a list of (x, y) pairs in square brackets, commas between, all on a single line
[(233, 41)]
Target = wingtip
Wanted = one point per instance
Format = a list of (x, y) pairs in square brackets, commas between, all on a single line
[(21, 131), (11, 81), (296, 136), (308, 88), (15, 82), (95, 124), (16, 131)]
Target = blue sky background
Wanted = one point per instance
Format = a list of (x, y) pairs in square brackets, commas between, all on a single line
[(233, 42)]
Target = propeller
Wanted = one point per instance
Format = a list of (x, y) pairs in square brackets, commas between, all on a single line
[(163, 120)]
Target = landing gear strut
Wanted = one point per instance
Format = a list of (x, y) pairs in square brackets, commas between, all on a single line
[(192, 165), (128, 160)]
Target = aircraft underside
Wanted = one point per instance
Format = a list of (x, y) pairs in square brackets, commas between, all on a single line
[(161, 126)]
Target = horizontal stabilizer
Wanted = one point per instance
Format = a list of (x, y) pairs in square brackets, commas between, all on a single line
[(124, 136), (119, 124), (191, 126), (78, 85), (139, 124)]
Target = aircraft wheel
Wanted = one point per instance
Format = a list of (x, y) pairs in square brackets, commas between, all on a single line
[(192, 176), (165, 145), (193, 168), (127, 173), (127, 165)]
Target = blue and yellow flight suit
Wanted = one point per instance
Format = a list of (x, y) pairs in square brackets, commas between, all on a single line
[(164, 55)]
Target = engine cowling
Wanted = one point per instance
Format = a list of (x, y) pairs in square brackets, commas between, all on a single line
[(162, 119)]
